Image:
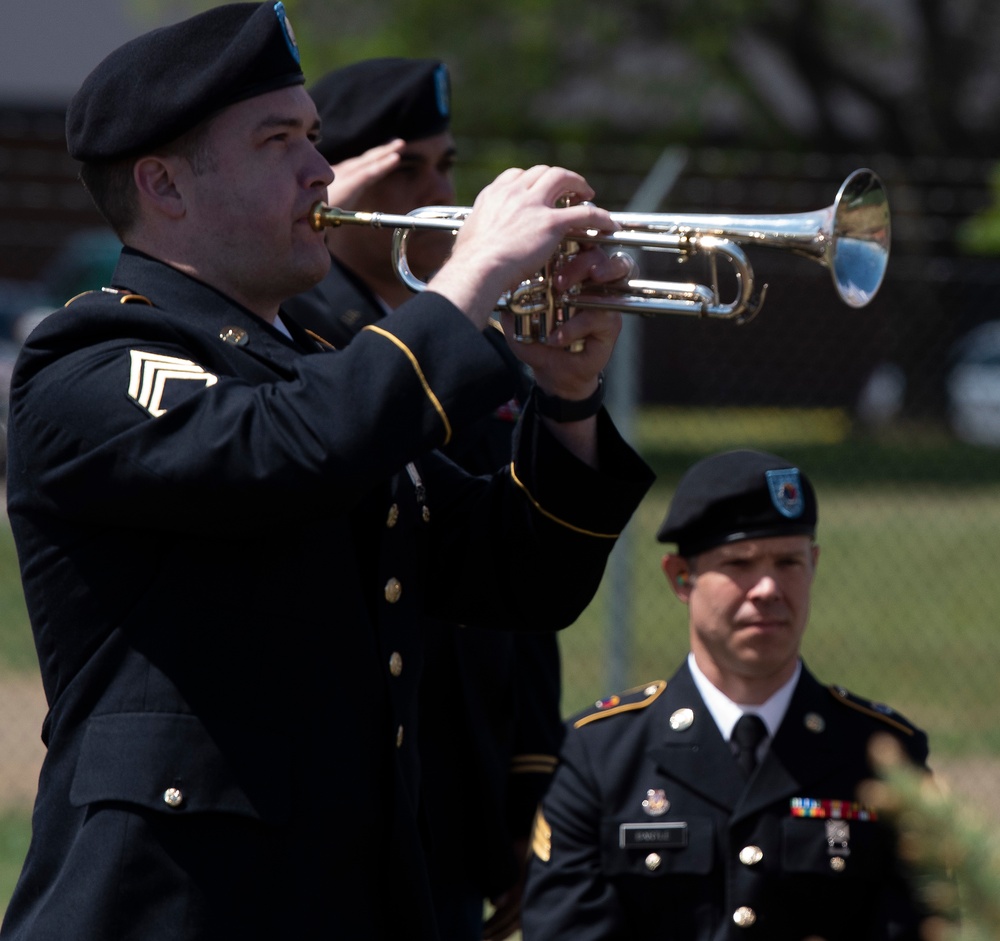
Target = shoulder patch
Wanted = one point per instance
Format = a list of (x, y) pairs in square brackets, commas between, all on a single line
[(879, 711), (149, 374), (637, 698)]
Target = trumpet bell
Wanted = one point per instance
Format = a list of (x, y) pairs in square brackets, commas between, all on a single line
[(860, 238), (851, 237)]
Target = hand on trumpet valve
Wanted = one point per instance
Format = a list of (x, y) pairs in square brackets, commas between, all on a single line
[(591, 265), (631, 267), (568, 363)]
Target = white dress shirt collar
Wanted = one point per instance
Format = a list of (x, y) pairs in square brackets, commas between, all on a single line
[(725, 712)]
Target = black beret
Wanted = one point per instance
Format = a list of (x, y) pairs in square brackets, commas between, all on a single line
[(738, 495), (156, 87), (377, 100)]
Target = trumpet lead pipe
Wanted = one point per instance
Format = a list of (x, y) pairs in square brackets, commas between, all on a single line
[(322, 217)]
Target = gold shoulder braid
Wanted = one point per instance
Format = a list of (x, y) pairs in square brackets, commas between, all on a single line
[(124, 297), (876, 710), (637, 698)]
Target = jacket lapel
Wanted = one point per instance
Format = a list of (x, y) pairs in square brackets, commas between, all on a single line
[(800, 754), (690, 747)]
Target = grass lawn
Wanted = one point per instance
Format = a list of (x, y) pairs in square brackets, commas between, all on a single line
[(15, 831)]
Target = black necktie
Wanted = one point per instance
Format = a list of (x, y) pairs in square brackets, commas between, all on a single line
[(748, 733)]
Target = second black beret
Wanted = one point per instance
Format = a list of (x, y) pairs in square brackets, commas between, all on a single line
[(374, 101)]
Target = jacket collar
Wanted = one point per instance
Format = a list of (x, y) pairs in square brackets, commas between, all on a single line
[(691, 750), (203, 308)]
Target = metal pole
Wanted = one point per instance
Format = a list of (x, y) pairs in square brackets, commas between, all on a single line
[(622, 400)]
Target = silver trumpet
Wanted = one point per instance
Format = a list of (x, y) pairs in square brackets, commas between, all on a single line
[(850, 237)]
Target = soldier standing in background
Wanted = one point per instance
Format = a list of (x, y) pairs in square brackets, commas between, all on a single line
[(490, 722), (722, 805)]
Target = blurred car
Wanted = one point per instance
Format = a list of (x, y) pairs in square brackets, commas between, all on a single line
[(973, 386)]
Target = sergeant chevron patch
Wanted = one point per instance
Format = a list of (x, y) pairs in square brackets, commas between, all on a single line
[(150, 372), (541, 837)]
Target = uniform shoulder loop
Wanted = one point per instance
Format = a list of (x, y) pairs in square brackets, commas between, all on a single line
[(637, 698), (123, 297), (876, 710)]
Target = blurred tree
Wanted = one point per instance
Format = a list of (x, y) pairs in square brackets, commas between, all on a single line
[(905, 77), (980, 234)]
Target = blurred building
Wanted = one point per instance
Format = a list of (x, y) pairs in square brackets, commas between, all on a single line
[(47, 48)]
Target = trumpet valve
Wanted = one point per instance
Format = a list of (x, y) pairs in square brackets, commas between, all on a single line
[(529, 302)]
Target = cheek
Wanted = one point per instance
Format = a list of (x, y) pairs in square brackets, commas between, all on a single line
[(802, 601), (797, 590), (714, 611), (442, 185)]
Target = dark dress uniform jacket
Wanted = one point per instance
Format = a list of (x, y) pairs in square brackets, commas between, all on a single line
[(649, 831), (225, 554), (490, 717)]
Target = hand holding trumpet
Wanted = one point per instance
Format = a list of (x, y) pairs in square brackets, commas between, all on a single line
[(514, 228)]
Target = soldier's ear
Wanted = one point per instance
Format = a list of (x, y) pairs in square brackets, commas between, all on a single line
[(678, 573), (155, 181)]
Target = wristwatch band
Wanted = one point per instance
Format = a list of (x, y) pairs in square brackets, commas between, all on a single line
[(566, 410)]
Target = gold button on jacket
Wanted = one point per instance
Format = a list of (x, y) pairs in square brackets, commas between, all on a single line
[(393, 590)]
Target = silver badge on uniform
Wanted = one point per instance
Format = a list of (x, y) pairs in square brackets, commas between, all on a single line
[(655, 803), (682, 719), (814, 722), (838, 835)]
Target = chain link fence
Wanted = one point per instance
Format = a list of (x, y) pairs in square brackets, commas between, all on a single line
[(892, 410)]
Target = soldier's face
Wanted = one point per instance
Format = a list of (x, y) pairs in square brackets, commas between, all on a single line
[(423, 177), (748, 608), (248, 210)]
